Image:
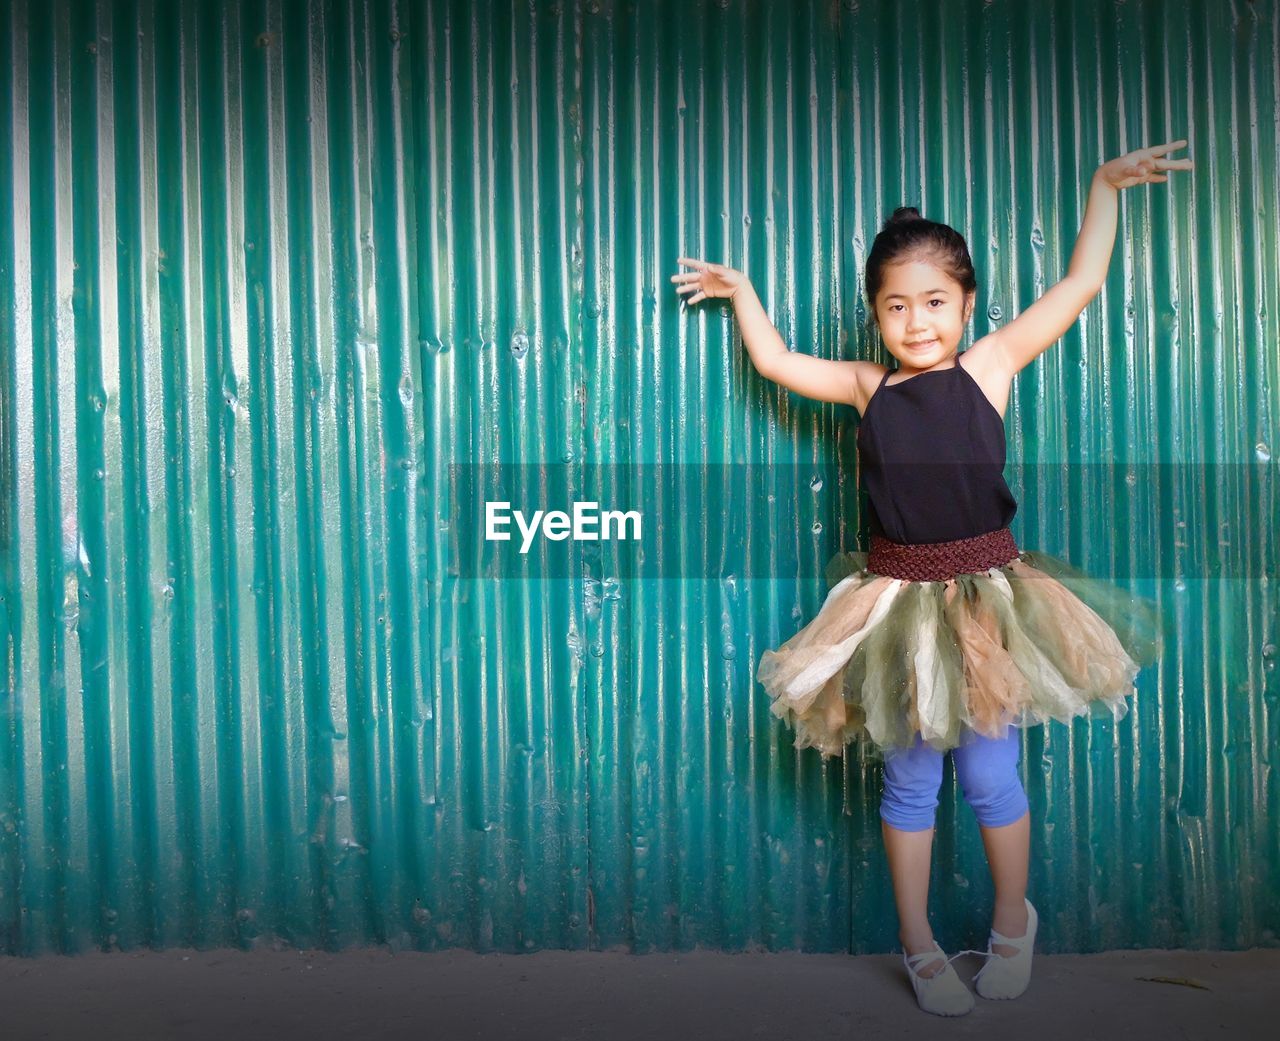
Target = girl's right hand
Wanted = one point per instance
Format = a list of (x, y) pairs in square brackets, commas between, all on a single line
[(707, 280)]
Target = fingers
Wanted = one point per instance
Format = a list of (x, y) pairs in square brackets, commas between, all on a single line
[(699, 266), (689, 281), (1146, 168), (1144, 177), (1154, 150), (1144, 160)]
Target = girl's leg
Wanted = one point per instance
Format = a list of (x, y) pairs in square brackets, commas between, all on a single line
[(987, 769), (911, 781)]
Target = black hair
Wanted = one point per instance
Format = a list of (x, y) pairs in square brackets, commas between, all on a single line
[(907, 236)]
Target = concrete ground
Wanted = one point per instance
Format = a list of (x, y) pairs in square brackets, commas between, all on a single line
[(456, 995)]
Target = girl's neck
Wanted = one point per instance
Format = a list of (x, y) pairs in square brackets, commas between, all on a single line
[(949, 362)]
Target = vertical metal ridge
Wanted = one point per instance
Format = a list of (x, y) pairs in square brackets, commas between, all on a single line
[(12, 428)]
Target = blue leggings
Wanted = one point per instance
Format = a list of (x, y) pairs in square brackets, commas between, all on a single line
[(987, 769)]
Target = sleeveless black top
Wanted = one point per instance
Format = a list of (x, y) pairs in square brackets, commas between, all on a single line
[(933, 452)]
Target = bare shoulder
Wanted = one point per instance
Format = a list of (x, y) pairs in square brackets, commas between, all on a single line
[(985, 361), (866, 377)]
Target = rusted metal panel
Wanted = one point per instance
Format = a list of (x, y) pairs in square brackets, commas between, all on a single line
[(271, 273)]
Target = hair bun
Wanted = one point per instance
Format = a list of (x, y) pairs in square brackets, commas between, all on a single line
[(904, 215)]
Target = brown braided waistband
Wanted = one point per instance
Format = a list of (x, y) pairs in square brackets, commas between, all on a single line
[(939, 561)]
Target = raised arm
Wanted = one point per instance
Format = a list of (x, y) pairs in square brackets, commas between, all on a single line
[(843, 382), (1037, 328)]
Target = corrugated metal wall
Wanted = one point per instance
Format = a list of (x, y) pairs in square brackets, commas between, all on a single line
[(267, 270)]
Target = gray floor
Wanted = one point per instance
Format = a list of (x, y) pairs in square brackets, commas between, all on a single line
[(375, 994)]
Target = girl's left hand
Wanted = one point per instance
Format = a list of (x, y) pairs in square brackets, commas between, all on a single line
[(1142, 166)]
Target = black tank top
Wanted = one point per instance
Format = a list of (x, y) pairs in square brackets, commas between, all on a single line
[(933, 451)]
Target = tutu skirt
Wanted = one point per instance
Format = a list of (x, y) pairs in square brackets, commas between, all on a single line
[(1022, 643)]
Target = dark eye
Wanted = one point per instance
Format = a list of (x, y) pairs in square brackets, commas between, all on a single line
[(937, 301)]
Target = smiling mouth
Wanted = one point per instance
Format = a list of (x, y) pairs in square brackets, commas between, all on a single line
[(922, 343)]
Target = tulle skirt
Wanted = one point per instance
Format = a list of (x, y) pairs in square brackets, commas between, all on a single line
[(887, 658)]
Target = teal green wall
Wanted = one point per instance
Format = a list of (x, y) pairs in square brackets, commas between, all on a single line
[(268, 270)]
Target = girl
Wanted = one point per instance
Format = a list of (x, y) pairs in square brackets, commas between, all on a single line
[(946, 636)]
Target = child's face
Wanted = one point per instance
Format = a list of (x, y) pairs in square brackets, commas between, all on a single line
[(922, 313)]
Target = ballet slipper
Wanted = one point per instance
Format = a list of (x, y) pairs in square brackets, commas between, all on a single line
[(943, 994), (1007, 976)]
